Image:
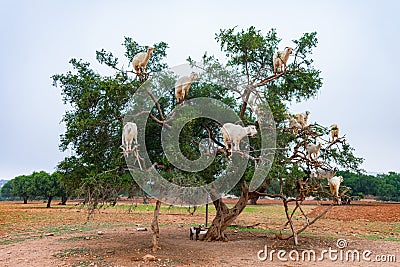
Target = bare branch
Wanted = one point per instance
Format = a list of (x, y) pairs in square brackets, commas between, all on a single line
[(212, 137), (157, 104), (159, 121), (269, 79)]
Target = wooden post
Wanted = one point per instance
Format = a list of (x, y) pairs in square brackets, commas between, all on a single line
[(207, 215)]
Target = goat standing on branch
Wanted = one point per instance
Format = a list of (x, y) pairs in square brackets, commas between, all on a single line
[(334, 185), (182, 86), (140, 61), (334, 131), (302, 118), (294, 125), (280, 59), (129, 133), (233, 134), (313, 150)]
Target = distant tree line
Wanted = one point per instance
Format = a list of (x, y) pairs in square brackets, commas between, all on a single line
[(63, 186), (384, 186), (42, 185), (38, 185)]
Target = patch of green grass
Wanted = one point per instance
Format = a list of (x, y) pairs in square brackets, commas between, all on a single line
[(380, 238), (58, 230), (395, 227), (275, 211), (264, 208), (73, 252), (391, 230), (13, 240), (255, 230), (81, 252), (82, 263), (163, 209)]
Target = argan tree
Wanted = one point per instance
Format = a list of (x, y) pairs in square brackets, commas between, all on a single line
[(23, 186), (98, 103), (47, 186), (38, 185)]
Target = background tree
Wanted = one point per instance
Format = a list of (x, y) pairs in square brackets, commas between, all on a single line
[(383, 186), (46, 186), (38, 185), (6, 191), (23, 187)]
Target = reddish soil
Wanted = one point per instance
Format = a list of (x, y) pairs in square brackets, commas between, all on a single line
[(119, 244), (370, 211)]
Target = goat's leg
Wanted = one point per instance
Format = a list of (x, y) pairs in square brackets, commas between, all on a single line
[(228, 148), (236, 145), (187, 94)]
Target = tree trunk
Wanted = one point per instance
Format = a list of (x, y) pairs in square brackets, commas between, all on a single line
[(25, 198), (225, 216), (49, 201), (64, 200), (253, 201), (253, 196), (154, 226)]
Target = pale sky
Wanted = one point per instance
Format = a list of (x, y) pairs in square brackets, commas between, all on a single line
[(357, 54)]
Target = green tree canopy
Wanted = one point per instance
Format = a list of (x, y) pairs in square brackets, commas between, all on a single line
[(23, 186), (47, 185), (383, 186), (6, 191)]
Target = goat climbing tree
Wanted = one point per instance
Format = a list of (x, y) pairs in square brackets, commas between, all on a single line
[(98, 104)]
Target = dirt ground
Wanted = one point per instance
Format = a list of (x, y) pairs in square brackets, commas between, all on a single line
[(31, 235)]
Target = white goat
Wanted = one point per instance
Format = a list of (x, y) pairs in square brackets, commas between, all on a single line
[(294, 126), (182, 86), (129, 133), (313, 150), (233, 134), (334, 185), (141, 59), (302, 118), (280, 59)]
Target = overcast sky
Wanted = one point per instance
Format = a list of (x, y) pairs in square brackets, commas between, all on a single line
[(358, 54)]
